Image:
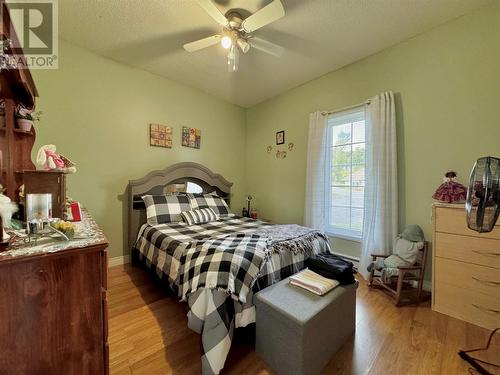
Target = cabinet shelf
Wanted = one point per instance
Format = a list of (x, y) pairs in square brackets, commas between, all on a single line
[(23, 132), (16, 130), (17, 87)]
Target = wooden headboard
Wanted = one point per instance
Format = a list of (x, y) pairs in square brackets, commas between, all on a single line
[(155, 182)]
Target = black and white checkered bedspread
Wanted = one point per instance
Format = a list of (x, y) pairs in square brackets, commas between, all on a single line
[(218, 267), (162, 246), (230, 263)]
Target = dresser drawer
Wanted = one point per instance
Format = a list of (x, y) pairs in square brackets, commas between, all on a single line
[(468, 276), (475, 250), (453, 220), (467, 305)]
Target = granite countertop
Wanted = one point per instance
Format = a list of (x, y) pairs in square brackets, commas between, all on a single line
[(87, 233)]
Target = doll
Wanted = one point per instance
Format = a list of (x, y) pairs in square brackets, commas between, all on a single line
[(450, 191)]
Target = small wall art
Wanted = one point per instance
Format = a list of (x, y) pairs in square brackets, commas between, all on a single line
[(280, 154), (191, 137), (160, 135), (280, 137)]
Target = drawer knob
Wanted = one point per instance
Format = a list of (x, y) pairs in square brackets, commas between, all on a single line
[(485, 309), (486, 253), (487, 282)]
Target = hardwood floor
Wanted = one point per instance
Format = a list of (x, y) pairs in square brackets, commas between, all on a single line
[(148, 334)]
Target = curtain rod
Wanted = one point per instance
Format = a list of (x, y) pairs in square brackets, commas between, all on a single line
[(346, 108)]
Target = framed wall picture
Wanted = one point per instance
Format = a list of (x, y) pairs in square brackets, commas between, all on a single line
[(191, 137), (160, 135), (280, 137)]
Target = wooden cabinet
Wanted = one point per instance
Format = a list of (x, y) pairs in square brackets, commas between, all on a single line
[(53, 311), (466, 269), (50, 182)]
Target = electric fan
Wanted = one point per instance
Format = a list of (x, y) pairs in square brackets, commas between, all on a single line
[(483, 195), (482, 207)]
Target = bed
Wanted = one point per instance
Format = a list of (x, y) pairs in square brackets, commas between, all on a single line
[(215, 267)]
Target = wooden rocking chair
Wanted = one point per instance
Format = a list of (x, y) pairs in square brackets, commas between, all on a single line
[(398, 285)]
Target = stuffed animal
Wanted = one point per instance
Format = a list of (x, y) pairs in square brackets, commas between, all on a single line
[(404, 252), (50, 160), (7, 208)]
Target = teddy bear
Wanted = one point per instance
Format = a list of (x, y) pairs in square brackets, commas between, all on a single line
[(50, 160), (7, 208)]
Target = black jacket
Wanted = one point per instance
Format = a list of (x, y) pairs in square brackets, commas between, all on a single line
[(332, 267)]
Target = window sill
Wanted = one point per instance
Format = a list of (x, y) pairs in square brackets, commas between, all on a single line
[(344, 236)]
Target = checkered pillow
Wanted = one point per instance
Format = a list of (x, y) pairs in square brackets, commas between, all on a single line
[(199, 216), (214, 202), (165, 208)]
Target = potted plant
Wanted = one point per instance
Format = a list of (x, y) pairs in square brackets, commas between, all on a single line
[(25, 118)]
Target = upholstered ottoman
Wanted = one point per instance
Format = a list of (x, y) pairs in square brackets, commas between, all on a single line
[(297, 332)]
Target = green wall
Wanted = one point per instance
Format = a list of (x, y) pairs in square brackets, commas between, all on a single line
[(447, 82), (97, 112)]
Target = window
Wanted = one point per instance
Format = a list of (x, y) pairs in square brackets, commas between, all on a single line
[(346, 173)]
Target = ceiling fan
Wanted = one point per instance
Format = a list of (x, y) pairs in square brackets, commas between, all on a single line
[(237, 31)]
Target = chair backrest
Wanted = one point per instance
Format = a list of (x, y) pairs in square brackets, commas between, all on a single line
[(422, 256)]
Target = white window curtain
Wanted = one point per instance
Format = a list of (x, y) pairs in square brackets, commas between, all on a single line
[(315, 205), (380, 224)]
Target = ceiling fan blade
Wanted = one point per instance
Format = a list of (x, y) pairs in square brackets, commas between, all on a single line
[(202, 43), (267, 47), (264, 16), (213, 11)]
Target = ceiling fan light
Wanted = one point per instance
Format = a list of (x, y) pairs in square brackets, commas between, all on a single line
[(233, 59), (243, 44), (226, 42)]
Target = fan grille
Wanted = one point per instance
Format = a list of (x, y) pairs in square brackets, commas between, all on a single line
[(483, 195)]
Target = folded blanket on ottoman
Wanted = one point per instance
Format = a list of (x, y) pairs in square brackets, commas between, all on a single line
[(313, 282)]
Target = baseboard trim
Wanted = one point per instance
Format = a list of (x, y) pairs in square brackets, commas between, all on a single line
[(116, 261)]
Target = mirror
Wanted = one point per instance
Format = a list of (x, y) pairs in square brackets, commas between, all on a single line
[(187, 187)]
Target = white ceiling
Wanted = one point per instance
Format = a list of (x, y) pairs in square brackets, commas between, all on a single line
[(319, 36)]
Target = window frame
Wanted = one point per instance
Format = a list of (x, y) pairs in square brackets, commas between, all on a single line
[(348, 234)]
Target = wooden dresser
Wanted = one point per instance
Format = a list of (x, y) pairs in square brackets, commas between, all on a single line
[(465, 268), (53, 307)]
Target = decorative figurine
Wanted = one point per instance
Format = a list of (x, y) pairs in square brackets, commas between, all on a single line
[(450, 191)]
